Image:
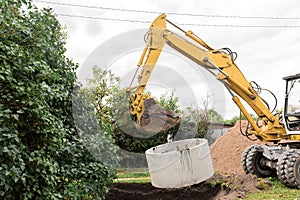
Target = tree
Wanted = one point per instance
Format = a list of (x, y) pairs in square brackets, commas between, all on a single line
[(169, 102), (102, 88), (42, 156), (196, 121), (112, 110), (214, 116), (236, 118)]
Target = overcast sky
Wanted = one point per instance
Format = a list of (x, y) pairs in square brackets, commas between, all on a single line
[(265, 34)]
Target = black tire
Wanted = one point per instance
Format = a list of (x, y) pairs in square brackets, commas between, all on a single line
[(288, 168), (297, 170), (244, 158), (255, 163)]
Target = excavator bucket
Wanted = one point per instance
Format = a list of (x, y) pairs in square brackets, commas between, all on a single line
[(156, 119)]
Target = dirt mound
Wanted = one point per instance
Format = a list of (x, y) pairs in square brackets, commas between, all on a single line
[(226, 152), (216, 188)]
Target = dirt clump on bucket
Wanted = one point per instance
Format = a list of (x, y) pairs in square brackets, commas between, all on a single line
[(156, 119)]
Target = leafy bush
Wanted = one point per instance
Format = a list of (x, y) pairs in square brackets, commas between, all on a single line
[(234, 119), (42, 156), (111, 104)]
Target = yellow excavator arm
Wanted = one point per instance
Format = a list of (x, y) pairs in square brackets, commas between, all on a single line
[(220, 62)]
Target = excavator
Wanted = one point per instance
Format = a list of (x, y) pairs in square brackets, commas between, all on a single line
[(279, 133)]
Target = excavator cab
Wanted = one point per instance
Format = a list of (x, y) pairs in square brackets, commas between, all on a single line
[(292, 103)]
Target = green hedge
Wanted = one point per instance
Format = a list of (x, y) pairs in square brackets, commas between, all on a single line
[(41, 155)]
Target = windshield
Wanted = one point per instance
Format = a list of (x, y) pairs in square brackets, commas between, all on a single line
[(293, 106)]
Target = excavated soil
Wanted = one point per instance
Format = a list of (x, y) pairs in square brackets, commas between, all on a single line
[(229, 182), (227, 151), (219, 187)]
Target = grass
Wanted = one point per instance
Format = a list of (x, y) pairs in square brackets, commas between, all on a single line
[(277, 191), (133, 176)]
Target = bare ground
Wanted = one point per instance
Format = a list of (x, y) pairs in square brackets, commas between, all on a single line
[(219, 187)]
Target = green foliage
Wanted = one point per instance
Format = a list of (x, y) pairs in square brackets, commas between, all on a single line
[(41, 154), (99, 97), (112, 111), (199, 119), (126, 136), (263, 184), (214, 116), (102, 89), (222, 183), (196, 121), (169, 102), (234, 119)]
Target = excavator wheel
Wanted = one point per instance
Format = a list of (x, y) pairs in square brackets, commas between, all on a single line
[(156, 119), (254, 162), (244, 158), (288, 168)]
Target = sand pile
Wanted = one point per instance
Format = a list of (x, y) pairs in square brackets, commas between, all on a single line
[(227, 151)]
